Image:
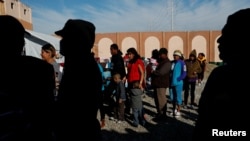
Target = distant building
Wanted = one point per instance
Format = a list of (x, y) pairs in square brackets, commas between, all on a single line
[(19, 10), (145, 42)]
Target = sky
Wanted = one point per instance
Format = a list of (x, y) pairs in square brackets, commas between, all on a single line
[(111, 16)]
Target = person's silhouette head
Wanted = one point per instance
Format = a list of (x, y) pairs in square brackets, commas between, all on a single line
[(12, 35), (78, 36), (235, 37)]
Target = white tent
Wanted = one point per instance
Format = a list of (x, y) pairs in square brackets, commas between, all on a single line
[(34, 41)]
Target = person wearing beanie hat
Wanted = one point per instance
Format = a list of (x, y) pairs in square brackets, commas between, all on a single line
[(193, 68), (160, 81), (26, 88), (193, 53), (177, 75), (78, 37), (226, 90)]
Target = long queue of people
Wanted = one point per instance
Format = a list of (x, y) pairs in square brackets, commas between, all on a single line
[(179, 76), (30, 112), (176, 75)]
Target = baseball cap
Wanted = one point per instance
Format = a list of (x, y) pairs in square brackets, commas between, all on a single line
[(77, 27), (79, 30)]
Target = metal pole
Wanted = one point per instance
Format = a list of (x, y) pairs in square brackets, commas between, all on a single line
[(172, 15)]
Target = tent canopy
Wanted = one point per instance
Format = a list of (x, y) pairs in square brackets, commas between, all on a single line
[(35, 40)]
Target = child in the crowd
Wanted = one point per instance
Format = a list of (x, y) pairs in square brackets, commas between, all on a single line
[(136, 104), (119, 97)]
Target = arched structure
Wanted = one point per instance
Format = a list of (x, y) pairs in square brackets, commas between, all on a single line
[(145, 42)]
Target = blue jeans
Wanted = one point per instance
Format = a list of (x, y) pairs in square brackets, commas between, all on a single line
[(138, 116)]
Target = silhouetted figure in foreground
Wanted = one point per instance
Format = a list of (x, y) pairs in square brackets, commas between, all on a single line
[(26, 88), (224, 101), (80, 85)]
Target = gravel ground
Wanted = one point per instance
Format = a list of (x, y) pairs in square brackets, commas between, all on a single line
[(173, 129)]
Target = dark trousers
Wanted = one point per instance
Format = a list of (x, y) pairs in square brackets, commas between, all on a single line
[(101, 106), (156, 101), (189, 87), (128, 99), (119, 110), (108, 98)]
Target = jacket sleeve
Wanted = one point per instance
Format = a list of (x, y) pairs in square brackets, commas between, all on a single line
[(198, 67), (122, 91), (183, 71)]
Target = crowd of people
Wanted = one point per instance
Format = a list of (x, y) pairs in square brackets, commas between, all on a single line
[(40, 103)]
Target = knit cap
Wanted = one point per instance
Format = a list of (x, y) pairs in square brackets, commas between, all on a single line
[(193, 53)]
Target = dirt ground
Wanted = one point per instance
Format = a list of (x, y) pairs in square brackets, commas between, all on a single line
[(173, 129)]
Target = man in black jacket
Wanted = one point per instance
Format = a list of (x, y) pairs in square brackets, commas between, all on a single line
[(78, 101), (117, 61)]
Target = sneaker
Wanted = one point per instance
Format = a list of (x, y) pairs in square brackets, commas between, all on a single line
[(111, 118), (173, 114), (185, 106), (134, 124), (177, 114), (199, 84)]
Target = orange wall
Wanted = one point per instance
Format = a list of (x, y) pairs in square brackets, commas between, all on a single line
[(202, 41)]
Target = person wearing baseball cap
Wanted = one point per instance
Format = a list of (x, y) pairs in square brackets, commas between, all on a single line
[(78, 102), (78, 31)]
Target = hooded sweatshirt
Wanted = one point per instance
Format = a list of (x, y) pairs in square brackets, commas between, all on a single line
[(136, 99)]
